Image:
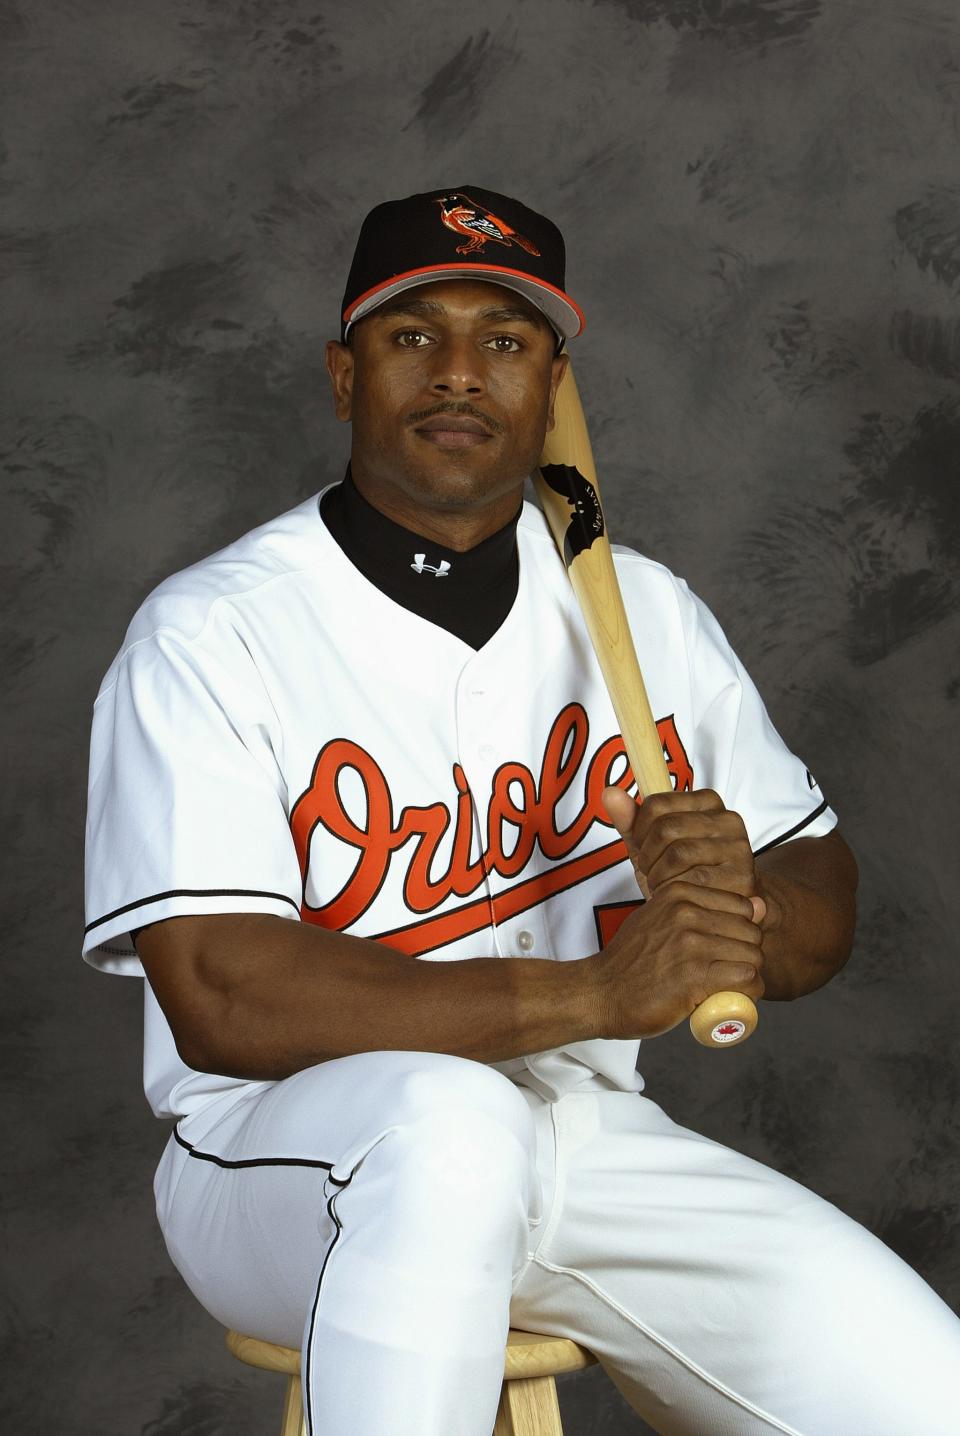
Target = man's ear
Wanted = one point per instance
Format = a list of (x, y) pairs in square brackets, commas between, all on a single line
[(558, 369), (339, 360)]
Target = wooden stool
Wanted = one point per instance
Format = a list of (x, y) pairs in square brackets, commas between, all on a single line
[(528, 1400)]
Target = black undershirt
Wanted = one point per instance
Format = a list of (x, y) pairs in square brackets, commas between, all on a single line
[(471, 599)]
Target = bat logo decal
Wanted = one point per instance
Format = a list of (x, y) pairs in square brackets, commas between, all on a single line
[(586, 521), (728, 1031)]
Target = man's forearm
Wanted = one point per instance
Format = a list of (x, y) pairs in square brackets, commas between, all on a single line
[(256, 996), (810, 886), (271, 997)]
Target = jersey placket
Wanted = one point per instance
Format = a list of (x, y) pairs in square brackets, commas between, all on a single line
[(480, 702)]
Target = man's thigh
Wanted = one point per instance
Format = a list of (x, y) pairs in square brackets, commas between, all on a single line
[(405, 1143), (723, 1297)]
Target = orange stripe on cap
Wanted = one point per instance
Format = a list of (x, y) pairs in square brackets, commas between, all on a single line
[(465, 271)]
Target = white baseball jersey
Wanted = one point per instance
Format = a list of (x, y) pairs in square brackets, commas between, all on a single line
[(277, 735)]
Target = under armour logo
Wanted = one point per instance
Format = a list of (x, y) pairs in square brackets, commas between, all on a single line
[(419, 566)]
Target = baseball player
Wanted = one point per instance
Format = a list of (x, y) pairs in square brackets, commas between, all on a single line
[(360, 813)]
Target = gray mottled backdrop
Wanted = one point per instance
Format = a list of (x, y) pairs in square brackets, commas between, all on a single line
[(762, 206)]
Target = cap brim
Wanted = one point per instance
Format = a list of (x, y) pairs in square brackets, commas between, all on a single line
[(565, 316)]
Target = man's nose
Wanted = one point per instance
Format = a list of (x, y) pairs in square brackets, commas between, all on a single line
[(457, 369)]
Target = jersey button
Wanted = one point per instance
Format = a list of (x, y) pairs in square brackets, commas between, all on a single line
[(487, 753), (525, 940)]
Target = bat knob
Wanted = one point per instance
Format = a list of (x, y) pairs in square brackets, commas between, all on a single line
[(725, 1019)]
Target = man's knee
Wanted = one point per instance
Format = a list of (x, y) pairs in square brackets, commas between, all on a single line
[(458, 1138), (440, 1084)]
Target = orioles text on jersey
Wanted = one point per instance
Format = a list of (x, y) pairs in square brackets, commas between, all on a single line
[(532, 817)]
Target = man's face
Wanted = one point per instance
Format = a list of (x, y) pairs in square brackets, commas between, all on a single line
[(450, 389)]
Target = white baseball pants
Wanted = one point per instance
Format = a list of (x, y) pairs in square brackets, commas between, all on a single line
[(396, 1212)]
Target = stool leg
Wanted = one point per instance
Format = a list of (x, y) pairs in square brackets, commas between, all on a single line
[(529, 1408), (293, 1423)]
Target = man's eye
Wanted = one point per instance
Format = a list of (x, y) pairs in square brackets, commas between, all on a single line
[(411, 339), (505, 344)]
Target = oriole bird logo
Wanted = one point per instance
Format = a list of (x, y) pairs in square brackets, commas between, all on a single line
[(464, 216)]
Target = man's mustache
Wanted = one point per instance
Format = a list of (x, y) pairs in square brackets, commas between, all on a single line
[(450, 407)]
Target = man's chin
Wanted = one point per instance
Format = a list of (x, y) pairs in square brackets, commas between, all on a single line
[(463, 491), (451, 480), (434, 479)]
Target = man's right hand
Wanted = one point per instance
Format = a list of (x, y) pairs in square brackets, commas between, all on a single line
[(684, 943)]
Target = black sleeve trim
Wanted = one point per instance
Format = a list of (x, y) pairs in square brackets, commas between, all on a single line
[(189, 892), (792, 832)]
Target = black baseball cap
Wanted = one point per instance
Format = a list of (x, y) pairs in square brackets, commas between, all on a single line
[(466, 232)]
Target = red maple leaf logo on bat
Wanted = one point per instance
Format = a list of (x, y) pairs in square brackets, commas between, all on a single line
[(465, 217)]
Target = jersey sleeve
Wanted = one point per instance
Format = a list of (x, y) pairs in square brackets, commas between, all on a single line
[(187, 808), (739, 752)]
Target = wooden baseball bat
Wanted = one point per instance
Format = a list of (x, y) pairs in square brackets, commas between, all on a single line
[(566, 483)]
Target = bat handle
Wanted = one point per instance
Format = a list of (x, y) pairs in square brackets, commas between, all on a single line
[(724, 1019)]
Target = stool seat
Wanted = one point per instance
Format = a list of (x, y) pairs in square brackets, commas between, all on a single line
[(528, 1400)]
